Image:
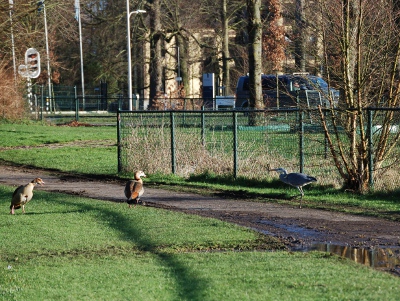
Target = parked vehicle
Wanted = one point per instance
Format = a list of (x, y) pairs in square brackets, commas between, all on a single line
[(289, 91)]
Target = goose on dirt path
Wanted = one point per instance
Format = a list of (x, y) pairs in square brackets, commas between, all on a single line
[(134, 189)]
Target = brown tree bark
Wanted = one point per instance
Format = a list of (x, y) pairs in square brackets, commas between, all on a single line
[(156, 41), (254, 28), (225, 48), (301, 36)]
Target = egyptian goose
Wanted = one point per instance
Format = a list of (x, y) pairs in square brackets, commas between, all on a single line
[(295, 179), (23, 194), (134, 189)]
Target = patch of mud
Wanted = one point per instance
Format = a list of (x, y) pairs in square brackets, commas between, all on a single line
[(75, 123)]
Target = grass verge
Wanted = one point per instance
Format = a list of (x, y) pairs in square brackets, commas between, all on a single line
[(72, 248), (93, 151)]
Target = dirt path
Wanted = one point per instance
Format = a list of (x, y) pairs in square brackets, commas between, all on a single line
[(299, 228)]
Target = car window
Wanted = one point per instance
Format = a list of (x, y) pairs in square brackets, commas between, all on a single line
[(289, 82), (283, 83), (269, 83), (246, 84), (310, 83), (319, 83)]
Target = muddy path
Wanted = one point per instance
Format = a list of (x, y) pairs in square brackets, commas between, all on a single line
[(298, 228)]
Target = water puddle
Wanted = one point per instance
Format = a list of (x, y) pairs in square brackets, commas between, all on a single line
[(376, 257), (382, 258), (300, 232)]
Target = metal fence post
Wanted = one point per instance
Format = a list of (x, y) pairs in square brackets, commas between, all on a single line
[(203, 127), (301, 141), (235, 145), (173, 158), (119, 141), (370, 150), (326, 146), (42, 103), (76, 105)]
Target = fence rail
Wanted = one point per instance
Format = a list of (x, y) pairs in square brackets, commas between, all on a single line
[(224, 143)]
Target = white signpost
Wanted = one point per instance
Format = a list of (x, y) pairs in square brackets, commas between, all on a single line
[(31, 69)]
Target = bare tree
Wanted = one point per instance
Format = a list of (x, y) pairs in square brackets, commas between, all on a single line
[(362, 51), (254, 28), (273, 37), (221, 51), (225, 47), (156, 47), (300, 36), (27, 25)]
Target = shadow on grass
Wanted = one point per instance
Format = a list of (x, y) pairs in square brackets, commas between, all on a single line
[(190, 285)]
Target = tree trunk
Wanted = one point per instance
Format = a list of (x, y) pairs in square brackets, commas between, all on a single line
[(254, 28), (183, 66), (225, 49), (156, 40), (301, 36)]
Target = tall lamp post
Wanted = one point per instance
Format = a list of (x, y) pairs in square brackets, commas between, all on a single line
[(47, 53), (128, 25)]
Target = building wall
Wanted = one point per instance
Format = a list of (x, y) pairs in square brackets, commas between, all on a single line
[(170, 63)]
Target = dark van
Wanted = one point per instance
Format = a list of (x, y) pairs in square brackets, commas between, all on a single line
[(288, 91)]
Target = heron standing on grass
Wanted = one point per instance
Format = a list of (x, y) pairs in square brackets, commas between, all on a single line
[(295, 179)]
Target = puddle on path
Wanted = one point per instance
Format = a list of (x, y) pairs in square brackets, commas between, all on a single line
[(376, 257), (300, 232)]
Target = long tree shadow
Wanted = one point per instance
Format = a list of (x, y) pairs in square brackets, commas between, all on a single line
[(190, 285)]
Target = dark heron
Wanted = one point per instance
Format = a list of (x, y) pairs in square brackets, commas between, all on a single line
[(296, 179)]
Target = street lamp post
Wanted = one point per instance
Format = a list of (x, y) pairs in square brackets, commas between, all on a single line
[(128, 25), (47, 53)]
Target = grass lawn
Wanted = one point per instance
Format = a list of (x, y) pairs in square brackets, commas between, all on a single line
[(93, 150), (17, 134), (72, 248)]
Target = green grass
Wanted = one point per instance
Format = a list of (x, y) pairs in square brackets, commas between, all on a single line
[(82, 150), (17, 134), (238, 276), (108, 224), (100, 160), (72, 248)]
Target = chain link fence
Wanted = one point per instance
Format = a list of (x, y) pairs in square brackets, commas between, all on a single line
[(223, 143)]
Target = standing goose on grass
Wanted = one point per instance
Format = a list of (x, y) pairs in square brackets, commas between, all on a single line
[(134, 189), (295, 179), (23, 194)]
